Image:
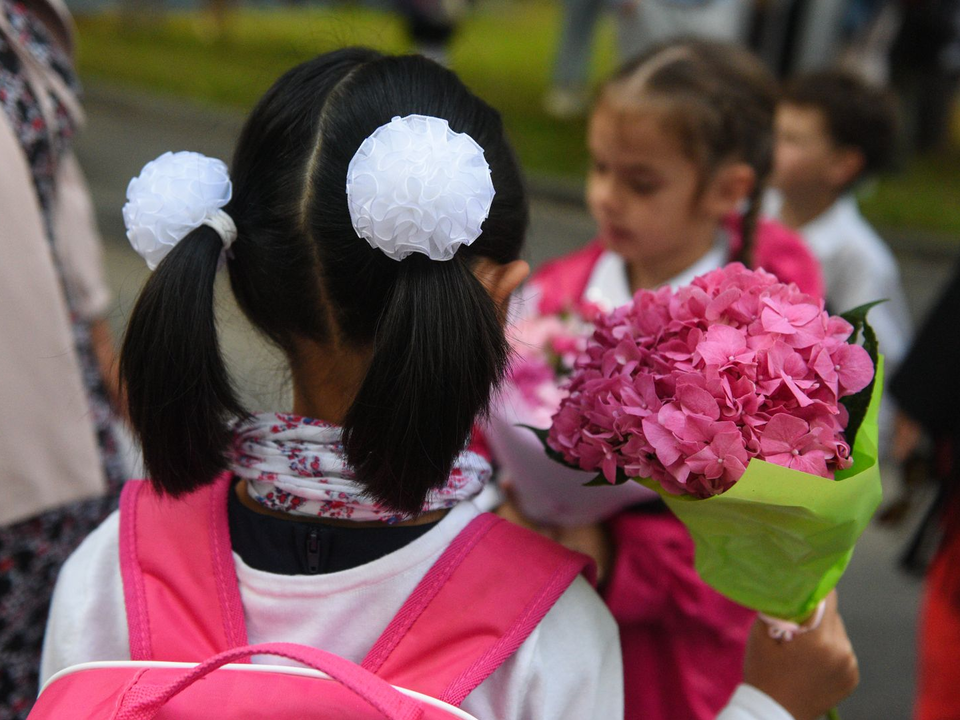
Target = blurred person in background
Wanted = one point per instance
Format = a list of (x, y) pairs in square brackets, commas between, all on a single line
[(640, 25), (925, 69), (681, 146), (431, 25), (833, 132), (869, 31), (644, 23), (927, 391), (58, 452), (798, 35)]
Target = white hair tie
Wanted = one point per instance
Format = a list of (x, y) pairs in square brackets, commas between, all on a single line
[(225, 227), (415, 185), (174, 195)]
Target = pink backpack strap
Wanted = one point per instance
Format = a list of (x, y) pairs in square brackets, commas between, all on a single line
[(475, 607), (562, 282), (178, 573)]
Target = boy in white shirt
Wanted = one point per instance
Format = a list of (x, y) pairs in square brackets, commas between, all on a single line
[(833, 130)]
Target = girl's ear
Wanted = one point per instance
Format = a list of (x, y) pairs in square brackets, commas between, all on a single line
[(499, 280), (729, 187)]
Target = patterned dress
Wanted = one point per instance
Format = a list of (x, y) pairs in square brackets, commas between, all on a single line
[(32, 550)]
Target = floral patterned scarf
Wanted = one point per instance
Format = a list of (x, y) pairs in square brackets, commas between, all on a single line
[(296, 465)]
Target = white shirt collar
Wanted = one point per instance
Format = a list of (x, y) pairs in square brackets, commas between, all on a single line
[(609, 286), (829, 229), (833, 226)]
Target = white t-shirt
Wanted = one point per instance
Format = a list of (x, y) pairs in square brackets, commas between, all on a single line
[(569, 668)]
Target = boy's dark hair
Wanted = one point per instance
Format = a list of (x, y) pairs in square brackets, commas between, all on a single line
[(299, 270), (857, 114)]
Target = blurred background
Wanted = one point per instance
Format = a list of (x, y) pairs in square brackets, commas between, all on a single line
[(180, 75)]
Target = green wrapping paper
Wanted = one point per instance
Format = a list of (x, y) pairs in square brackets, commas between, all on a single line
[(779, 540)]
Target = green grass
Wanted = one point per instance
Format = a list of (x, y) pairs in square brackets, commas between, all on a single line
[(925, 197), (503, 52)]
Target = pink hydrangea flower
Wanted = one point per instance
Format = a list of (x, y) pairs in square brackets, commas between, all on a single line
[(686, 387), (544, 351)]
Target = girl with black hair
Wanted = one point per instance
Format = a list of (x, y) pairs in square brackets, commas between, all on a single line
[(351, 230), (338, 509)]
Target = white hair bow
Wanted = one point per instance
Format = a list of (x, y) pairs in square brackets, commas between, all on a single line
[(415, 185), (173, 195)]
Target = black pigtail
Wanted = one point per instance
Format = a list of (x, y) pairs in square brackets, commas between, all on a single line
[(438, 352), (748, 227), (179, 395)]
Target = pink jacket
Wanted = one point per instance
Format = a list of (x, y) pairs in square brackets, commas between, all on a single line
[(48, 449), (683, 643), (778, 250)]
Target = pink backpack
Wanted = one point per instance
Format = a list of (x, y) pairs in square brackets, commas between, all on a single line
[(187, 630)]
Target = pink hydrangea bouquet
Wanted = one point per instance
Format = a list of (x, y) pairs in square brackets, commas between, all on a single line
[(545, 348), (685, 387), (752, 412)]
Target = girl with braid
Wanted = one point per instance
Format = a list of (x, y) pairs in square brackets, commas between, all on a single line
[(681, 146)]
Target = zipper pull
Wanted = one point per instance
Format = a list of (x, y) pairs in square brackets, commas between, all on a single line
[(313, 552)]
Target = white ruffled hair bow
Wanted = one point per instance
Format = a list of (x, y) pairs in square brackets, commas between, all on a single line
[(173, 195), (416, 186)]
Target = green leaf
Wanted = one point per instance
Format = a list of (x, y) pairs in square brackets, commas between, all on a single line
[(622, 477), (858, 317), (601, 480), (542, 435), (857, 404)]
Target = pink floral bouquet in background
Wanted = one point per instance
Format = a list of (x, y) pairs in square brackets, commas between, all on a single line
[(545, 349), (685, 387)]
